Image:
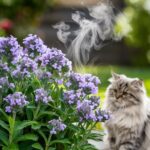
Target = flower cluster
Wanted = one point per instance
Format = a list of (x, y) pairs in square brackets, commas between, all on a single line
[(57, 126), (14, 101), (10, 50), (5, 83), (101, 115), (42, 96), (80, 92), (85, 110), (72, 96), (55, 62), (87, 82), (3, 67), (94, 101), (34, 45), (25, 68)]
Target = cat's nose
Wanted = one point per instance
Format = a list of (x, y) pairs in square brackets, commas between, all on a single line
[(118, 96)]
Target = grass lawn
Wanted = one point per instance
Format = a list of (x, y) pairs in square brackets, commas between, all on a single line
[(104, 73)]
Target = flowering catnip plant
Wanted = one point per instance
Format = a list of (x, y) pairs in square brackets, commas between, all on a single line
[(44, 104)]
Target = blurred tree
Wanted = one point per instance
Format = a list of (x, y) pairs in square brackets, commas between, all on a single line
[(23, 14), (138, 17)]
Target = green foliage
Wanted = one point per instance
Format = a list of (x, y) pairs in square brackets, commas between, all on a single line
[(2, 32), (31, 125), (16, 9), (138, 15), (24, 14)]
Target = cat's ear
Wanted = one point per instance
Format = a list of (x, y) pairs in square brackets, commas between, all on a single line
[(137, 82), (115, 76)]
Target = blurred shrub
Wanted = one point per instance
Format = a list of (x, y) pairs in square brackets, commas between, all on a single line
[(24, 14), (137, 25)]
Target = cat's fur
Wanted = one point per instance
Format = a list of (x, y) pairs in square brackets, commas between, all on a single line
[(129, 125)]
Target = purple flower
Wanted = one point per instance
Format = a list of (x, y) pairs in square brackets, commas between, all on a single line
[(55, 62), (85, 110), (4, 83), (95, 101), (101, 115), (72, 96), (43, 75), (8, 109), (87, 82), (11, 85), (68, 84), (4, 67), (14, 101), (57, 126), (42, 96), (59, 81), (34, 45), (25, 67), (10, 49)]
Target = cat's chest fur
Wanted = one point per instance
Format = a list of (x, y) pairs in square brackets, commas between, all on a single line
[(125, 122), (128, 117)]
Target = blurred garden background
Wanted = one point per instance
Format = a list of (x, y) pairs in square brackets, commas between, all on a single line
[(130, 55)]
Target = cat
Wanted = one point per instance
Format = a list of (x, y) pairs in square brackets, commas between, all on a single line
[(129, 125)]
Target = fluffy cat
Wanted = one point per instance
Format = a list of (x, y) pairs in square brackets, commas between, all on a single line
[(129, 125)]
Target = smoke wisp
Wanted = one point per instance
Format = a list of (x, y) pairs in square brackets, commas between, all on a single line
[(92, 33)]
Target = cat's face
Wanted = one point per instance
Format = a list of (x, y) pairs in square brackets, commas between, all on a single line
[(124, 92)]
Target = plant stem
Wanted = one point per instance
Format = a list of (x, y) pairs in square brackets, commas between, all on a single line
[(85, 136), (48, 142), (0, 100), (36, 112), (12, 125)]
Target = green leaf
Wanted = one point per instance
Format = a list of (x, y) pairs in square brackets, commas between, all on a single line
[(11, 127), (11, 123), (29, 113), (13, 147), (4, 137), (63, 141), (51, 148), (73, 128), (26, 137), (96, 136), (88, 146), (36, 82), (36, 126), (4, 125), (37, 146), (25, 124), (29, 90), (4, 114), (43, 135), (26, 145), (31, 106), (47, 113), (4, 148)]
